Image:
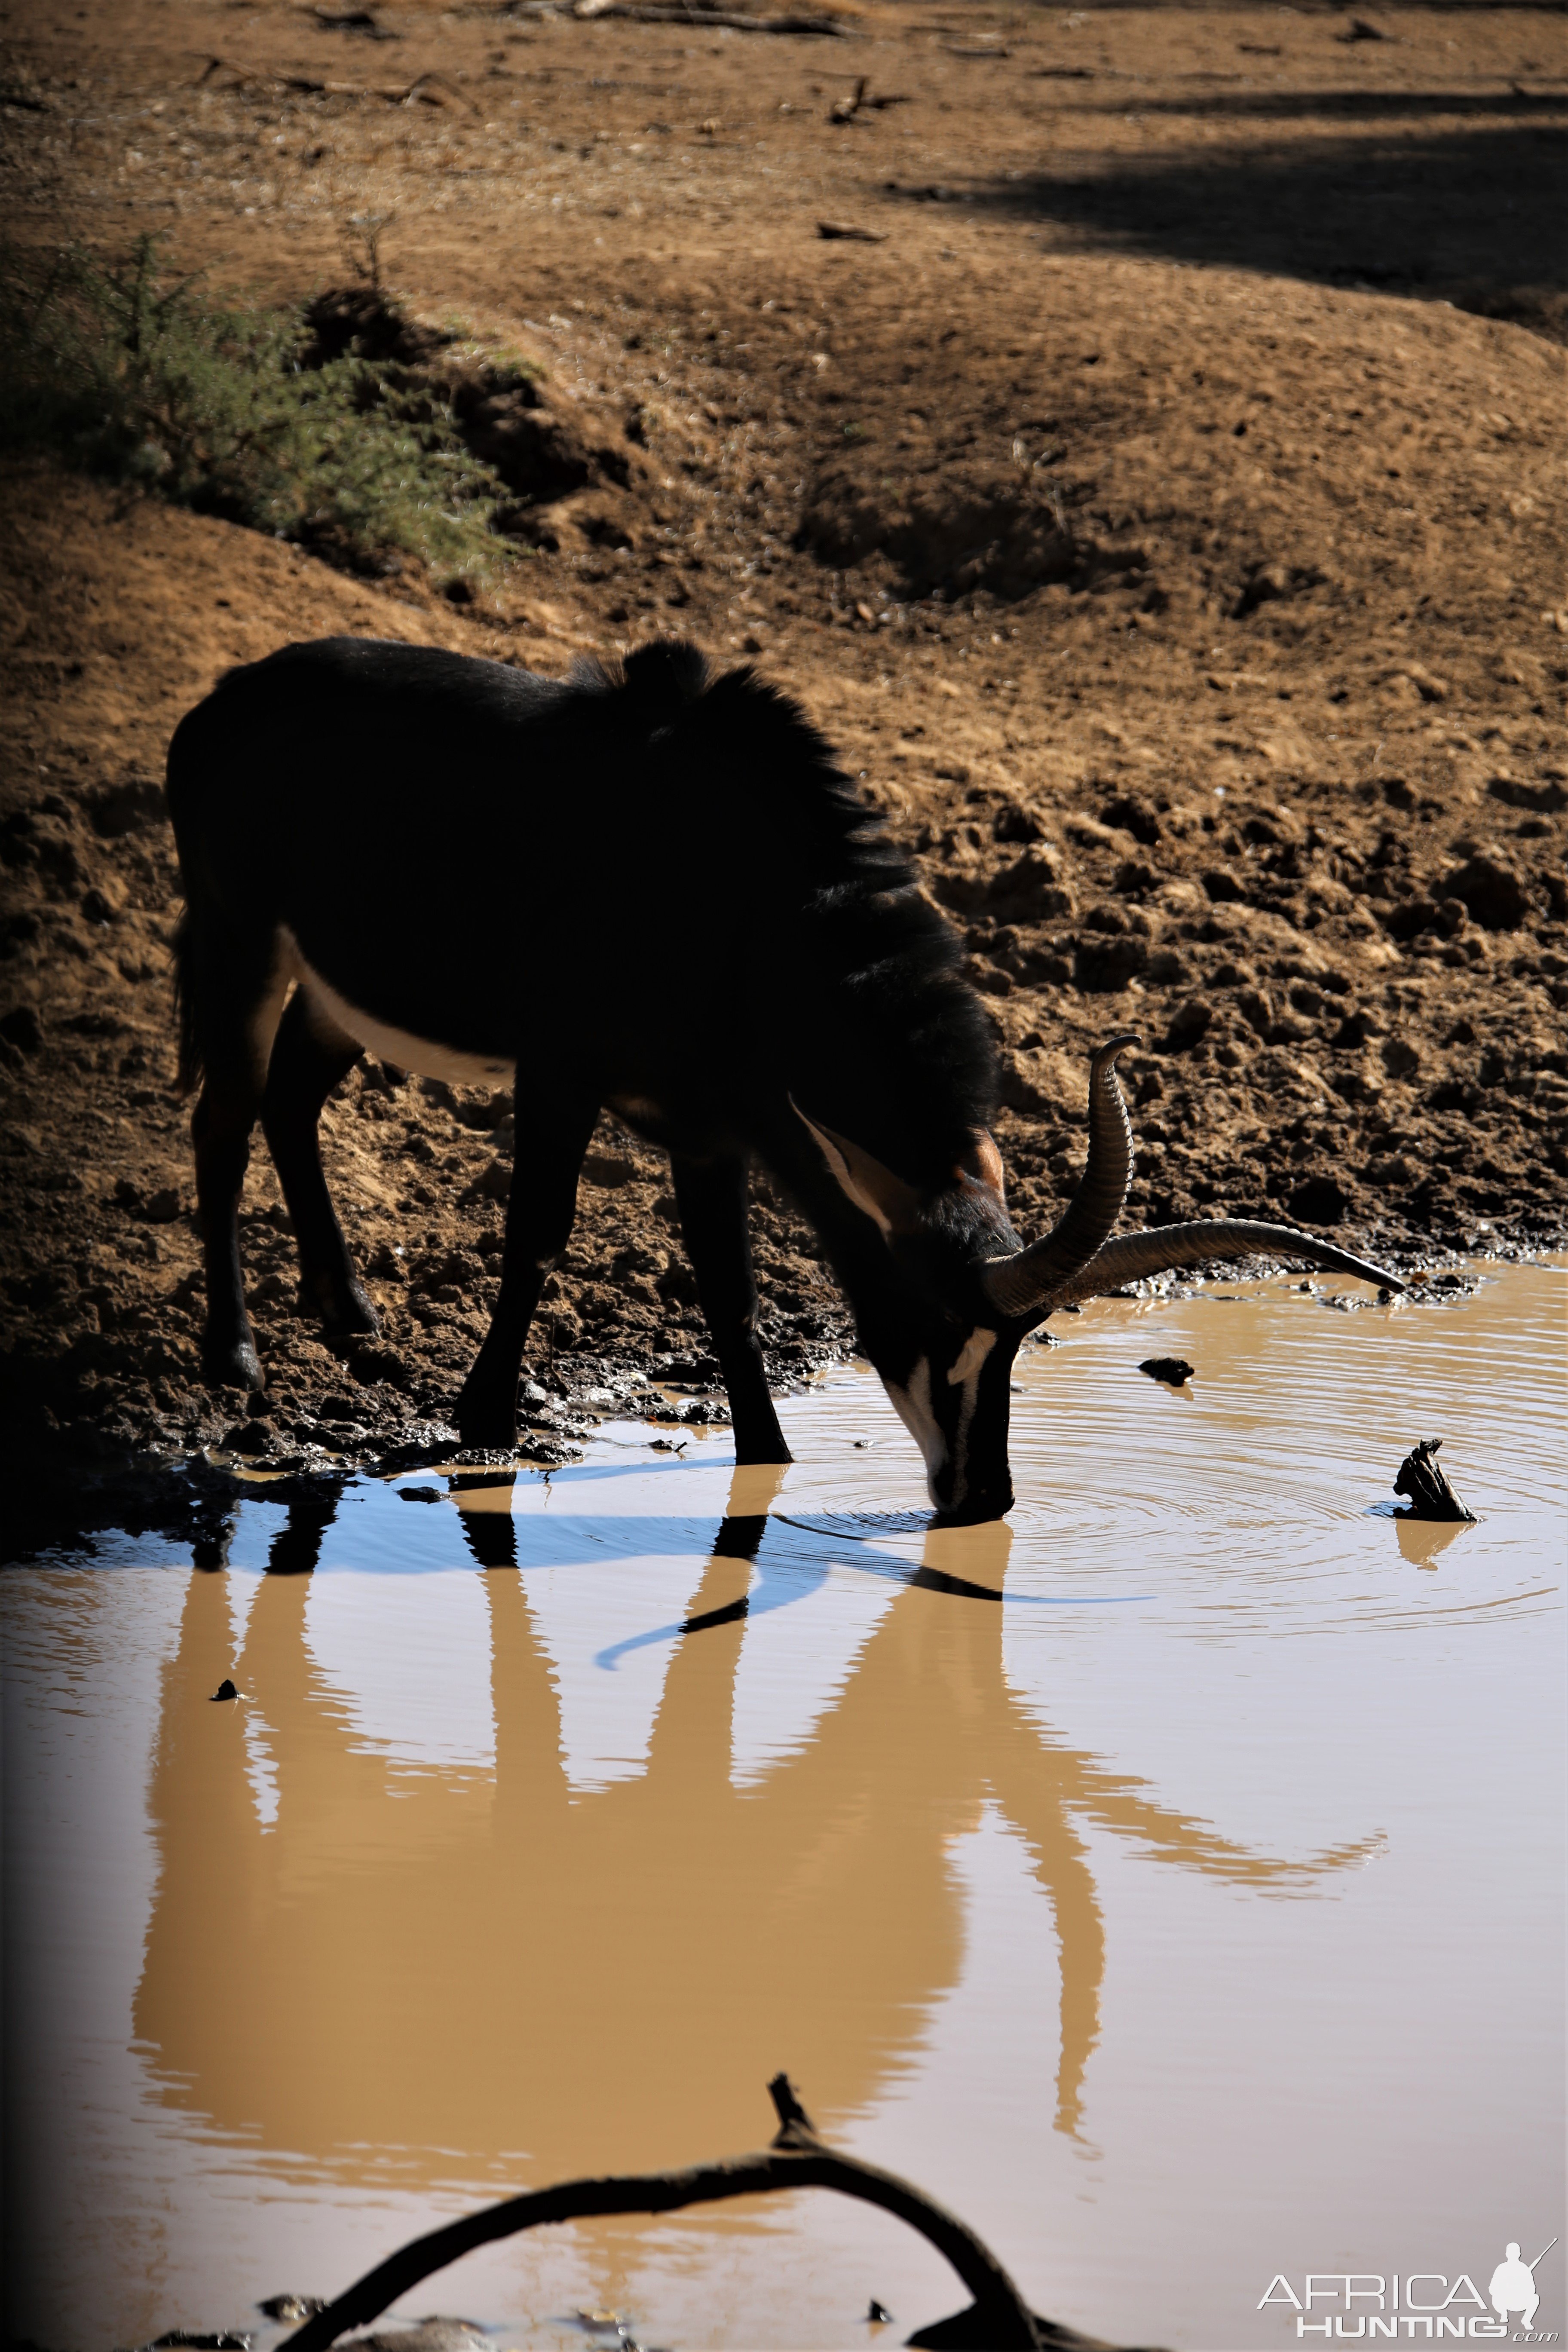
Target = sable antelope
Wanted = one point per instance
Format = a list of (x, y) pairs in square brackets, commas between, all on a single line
[(648, 887)]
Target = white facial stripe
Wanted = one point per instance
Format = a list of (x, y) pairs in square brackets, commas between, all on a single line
[(965, 1371), (912, 1405), (961, 1435)]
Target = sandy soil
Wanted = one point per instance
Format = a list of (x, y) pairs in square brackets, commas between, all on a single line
[(1163, 513)]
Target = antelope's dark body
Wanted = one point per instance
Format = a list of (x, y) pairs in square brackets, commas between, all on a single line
[(678, 887), (649, 890)]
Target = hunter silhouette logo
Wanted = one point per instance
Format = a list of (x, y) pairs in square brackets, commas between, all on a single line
[(1419, 2306), (1512, 2286)]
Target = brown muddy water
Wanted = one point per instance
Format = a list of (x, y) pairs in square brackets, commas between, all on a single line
[(1171, 1881)]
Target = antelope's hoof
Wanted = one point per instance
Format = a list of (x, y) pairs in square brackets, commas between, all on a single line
[(232, 1363), (352, 1319), (346, 1313)]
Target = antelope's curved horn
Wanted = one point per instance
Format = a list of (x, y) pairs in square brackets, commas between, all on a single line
[(1017, 1285), (1133, 1256)]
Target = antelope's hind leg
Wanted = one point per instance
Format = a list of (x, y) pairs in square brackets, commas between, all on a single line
[(311, 1057), (233, 995)]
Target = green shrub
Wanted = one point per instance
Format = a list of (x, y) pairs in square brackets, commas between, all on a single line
[(129, 372)]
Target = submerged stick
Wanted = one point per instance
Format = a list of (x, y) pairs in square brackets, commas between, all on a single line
[(796, 2158), (1431, 1495)]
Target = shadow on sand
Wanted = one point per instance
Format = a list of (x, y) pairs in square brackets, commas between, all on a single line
[(1471, 211)]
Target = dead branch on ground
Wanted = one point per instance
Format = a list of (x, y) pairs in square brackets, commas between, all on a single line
[(850, 110), (429, 88), (997, 2318), (677, 11)]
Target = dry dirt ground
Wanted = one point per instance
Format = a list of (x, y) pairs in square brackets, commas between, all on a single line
[(1158, 497)]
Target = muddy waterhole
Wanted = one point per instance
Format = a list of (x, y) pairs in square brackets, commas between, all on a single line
[(1170, 1881)]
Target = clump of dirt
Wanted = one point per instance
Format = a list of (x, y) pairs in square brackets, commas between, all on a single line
[(949, 534)]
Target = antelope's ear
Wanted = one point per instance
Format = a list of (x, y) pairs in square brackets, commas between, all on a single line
[(982, 1164), (884, 1197)]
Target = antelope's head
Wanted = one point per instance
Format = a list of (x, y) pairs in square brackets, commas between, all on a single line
[(944, 1332)]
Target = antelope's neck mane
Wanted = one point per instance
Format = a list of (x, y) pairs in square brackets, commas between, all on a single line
[(879, 1032)]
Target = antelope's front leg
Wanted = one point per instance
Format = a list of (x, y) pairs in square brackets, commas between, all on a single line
[(711, 1198), (551, 1141)]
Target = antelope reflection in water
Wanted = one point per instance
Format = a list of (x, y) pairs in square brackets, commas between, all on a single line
[(411, 1967)]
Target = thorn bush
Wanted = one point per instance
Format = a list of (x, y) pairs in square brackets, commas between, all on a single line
[(128, 370)]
